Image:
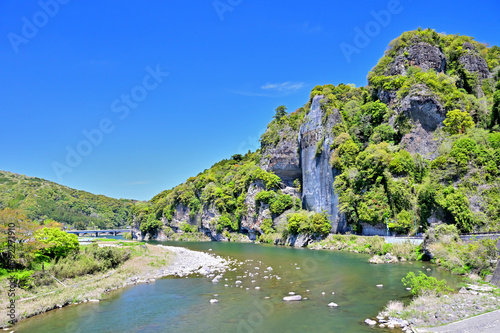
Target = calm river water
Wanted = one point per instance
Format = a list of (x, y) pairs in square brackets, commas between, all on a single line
[(182, 304)]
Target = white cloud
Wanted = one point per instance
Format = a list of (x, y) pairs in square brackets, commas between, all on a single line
[(283, 87)]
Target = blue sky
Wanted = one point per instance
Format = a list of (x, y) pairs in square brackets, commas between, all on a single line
[(129, 98)]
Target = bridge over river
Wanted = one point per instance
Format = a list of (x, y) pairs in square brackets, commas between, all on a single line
[(96, 233)]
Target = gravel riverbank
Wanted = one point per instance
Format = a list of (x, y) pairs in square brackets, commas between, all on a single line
[(432, 311), (154, 262), (185, 262)]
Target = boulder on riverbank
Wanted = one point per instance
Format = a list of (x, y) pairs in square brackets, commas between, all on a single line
[(388, 258)]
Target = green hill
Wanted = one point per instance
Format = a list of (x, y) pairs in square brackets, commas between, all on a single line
[(41, 199)]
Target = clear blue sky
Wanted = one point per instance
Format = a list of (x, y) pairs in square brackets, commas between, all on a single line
[(86, 65)]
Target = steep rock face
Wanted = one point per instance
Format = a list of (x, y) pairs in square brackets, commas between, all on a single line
[(181, 215), (427, 114), (315, 139), (255, 215), (283, 159), (420, 141), (422, 55), (423, 107), (473, 62)]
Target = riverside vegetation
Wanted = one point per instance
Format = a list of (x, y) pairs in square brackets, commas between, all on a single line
[(418, 149), (50, 269)]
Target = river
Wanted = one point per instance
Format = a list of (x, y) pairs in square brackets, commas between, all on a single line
[(182, 304)]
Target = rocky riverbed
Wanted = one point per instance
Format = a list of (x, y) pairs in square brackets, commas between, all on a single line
[(185, 262), (428, 311)]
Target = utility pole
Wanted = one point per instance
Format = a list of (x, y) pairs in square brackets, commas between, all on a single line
[(416, 230)]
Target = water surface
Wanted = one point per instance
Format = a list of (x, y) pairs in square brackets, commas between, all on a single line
[(182, 304)]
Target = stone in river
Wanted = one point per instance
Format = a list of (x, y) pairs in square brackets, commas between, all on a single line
[(213, 300), (370, 322), (332, 305), (292, 298)]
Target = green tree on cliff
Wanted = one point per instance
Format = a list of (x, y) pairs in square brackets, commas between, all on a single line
[(280, 112), (495, 109), (457, 121)]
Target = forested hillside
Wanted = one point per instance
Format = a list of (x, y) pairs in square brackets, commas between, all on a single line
[(39, 199), (418, 145)]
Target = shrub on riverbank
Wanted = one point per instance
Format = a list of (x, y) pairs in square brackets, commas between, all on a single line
[(89, 261), (422, 284), (307, 223), (369, 245), (450, 252)]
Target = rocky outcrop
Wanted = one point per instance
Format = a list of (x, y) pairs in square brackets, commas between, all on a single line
[(473, 62), (255, 215), (427, 114), (283, 159), (315, 138), (181, 215), (422, 142), (422, 106), (421, 55)]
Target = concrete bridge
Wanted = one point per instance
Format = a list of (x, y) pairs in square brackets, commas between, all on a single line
[(96, 233)]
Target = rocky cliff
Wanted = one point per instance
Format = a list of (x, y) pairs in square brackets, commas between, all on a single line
[(364, 157), (315, 140)]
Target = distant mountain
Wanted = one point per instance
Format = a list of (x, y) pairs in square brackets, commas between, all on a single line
[(41, 199)]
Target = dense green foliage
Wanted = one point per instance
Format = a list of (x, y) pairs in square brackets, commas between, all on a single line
[(56, 243), (277, 201), (457, 88), (223, 187), (308, 223), (40, 199), (422, 284), (457, 122)]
